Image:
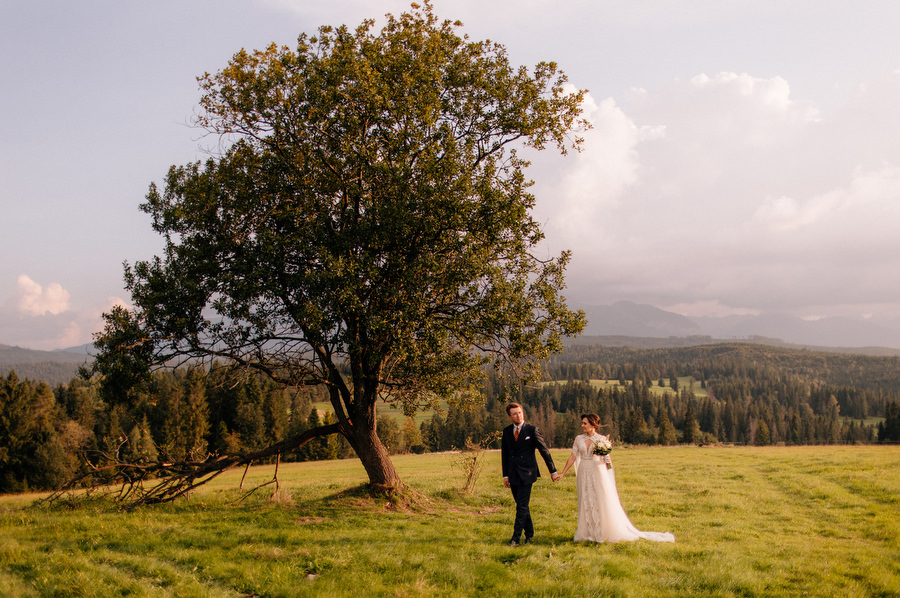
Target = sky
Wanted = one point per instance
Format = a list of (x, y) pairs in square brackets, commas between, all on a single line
[(744, 156)]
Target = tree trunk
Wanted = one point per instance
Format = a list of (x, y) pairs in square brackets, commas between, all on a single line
[(375, 459)]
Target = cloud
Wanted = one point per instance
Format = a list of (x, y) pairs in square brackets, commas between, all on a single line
[(869, 202), (46, 329), (34, 300), (350, 12), (725, 194), (87, 322), (588, 183), (709, 308)]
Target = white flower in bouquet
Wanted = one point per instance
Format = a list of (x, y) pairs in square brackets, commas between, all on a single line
[(602, 446)]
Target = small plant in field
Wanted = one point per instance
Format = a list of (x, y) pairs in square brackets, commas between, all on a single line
[(282, 497), (471, 460), (314, 565)]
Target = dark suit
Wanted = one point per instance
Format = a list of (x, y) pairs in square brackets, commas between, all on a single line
[(520, 466)]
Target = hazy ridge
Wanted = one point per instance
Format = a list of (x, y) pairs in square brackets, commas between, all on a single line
[(52, 367), (622, 324), (626, 319)]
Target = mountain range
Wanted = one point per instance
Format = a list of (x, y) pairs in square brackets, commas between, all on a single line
[(52, 367), (628, 319), (624, 323)]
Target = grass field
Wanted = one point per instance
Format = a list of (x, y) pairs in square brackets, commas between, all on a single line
[(780, 521), (684, 382)]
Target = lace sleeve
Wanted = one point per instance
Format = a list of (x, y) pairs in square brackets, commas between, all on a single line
[(577, 452)]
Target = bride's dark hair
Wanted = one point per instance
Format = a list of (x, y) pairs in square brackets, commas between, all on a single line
[(593, 419)]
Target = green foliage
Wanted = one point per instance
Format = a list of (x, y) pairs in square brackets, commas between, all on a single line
[(33, 437), (752, 522), (691, 433), (762, 437), (367, 228), (123, 358), (732, 393), (889, 430), (666, 434), (789, 401)]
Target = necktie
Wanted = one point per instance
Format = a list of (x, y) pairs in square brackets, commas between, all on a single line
[(516, 433)]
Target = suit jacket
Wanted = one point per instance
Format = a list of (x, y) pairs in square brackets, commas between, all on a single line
[(519, 463)]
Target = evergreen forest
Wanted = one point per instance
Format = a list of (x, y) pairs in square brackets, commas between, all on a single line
[(712, 394)]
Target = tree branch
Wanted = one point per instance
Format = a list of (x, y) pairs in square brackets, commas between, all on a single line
[(135, 484)]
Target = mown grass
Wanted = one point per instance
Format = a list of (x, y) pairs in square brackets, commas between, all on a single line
[(779, 521), (391, 410), (684, 382)]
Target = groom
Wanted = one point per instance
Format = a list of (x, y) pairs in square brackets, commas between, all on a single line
[(520, 468)]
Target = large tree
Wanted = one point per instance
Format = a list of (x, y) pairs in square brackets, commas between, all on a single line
[(364, 224)]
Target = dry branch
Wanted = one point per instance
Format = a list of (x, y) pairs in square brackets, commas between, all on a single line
[(135, 484)]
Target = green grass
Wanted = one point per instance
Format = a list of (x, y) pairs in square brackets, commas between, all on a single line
[(655, 389), (779, 521), (868, 421), (389, 409)]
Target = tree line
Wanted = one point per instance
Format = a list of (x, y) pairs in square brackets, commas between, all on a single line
[(718, 394), (48, 435), (724, 393)]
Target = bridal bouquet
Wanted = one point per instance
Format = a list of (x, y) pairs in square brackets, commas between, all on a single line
[(602, 447)]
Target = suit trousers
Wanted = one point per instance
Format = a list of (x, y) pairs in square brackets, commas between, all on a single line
[(522, 496)]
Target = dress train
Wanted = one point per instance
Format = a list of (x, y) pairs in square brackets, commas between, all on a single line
[(601, 517)]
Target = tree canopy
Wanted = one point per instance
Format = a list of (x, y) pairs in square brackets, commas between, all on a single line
[(364, 224)]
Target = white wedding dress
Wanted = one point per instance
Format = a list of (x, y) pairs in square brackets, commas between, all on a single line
[(601, 517)]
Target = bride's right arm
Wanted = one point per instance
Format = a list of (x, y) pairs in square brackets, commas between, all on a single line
[(568, 465), (571, 460)]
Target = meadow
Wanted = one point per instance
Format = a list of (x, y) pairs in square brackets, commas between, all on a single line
[(773, 521)]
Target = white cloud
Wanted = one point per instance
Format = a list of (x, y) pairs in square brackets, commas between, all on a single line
[(869, 202), (86, 323), (723, 194), (711, 308), (593, 181), (774, 93), (48, 330), (350, 13), (34, 300)]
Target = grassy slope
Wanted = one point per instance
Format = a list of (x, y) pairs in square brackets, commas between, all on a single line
[(794, 521)]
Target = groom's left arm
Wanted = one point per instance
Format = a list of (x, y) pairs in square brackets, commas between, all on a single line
[(544, 450)]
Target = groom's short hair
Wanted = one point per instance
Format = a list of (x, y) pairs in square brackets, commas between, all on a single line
[(511, 406)]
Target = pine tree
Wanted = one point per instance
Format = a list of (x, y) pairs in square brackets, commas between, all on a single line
[(666, 434), (193, 418), (762, 434), (412, 436), (389, 433), (889, 430), (691, 433)]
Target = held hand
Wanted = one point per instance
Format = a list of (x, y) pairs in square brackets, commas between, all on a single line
[(506, 482), (555, 476)]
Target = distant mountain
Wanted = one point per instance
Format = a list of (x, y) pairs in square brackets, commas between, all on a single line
[(628, 319), (85, 349), (845, 332), (624, 323), (52, 367)]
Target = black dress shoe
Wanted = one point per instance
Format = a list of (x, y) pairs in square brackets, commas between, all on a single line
[(527, 541), (512, 543)]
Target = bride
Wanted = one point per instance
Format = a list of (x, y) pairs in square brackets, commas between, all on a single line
[(601, 517)]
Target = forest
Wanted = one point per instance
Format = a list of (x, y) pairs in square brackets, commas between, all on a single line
[(721, 393)]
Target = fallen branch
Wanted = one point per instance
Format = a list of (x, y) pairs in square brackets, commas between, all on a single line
[(136, 484)]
